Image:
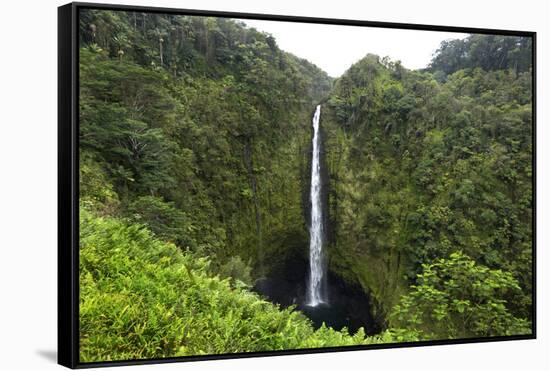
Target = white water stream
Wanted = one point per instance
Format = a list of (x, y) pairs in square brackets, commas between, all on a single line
[(315, 290)]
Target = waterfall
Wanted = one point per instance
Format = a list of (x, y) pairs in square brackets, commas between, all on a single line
[(316, 291)]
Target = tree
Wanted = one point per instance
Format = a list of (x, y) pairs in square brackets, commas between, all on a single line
[(457, 298), (164, 219)]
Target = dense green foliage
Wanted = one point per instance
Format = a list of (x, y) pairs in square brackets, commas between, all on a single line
[(457, 298), (490, 53), (144, 298), (420, 169), (206, 145), (194, 171)]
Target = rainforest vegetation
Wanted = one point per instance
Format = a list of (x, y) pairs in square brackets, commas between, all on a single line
[(195, 149)]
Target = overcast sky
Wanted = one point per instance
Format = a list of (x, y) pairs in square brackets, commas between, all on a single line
[(334, 48)]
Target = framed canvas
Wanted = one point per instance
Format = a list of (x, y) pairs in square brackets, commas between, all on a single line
[(236, 185)]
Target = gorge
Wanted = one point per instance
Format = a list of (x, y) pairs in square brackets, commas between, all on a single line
[(306, 283)]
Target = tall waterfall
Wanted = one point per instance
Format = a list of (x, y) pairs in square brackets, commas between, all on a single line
[(316, 291)]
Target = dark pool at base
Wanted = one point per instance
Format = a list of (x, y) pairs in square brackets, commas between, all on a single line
[(348, 306)]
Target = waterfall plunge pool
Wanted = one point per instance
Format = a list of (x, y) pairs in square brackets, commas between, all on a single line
[(349, 306)]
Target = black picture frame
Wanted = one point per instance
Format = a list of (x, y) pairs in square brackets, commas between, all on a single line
[(68, 179)]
